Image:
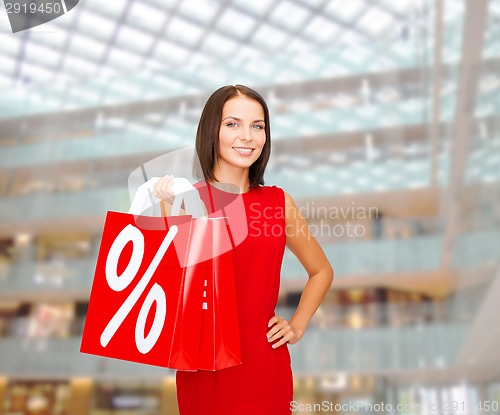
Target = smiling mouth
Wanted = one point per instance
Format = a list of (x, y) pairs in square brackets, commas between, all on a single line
[(244, 151)]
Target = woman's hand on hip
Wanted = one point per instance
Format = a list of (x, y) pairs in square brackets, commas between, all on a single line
[(284, 331)]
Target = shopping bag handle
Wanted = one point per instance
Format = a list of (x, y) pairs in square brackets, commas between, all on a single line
[(187, 193), (183, 192)]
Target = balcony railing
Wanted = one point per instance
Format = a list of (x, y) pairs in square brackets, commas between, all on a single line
[(379, 256), (64, 205), (319, 352)]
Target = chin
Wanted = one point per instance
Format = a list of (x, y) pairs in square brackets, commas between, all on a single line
[(241, 162)]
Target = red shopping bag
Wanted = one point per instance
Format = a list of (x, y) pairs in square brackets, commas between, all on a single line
[(163, 294)]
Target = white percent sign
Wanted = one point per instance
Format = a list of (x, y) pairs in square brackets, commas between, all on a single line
[(120, 282)]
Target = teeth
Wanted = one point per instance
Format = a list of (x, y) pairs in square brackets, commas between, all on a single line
[(245, 150)]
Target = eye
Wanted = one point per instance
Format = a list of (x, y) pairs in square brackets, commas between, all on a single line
[(261, 127), (231, 124)]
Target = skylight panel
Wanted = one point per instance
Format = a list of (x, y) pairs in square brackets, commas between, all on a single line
[(95, 25), (198, 58), (133, 39), (79, 67), (112, 8), (236, 23), (123, 59), (264, 69), (350, 37), (146, 17), (126, 87), (289, 14), (202, 11), (8, 65), (287, 75), (214, 75), (374, 21), (54, 40), (85, 46), (184, 31), (5, 81), (169, 52), (269, 36), (308, 62), (11, 47), (36, 73), (400, 6), (66, 21), (357, 54), (41, 55), (163, 4), (256, 8), (219, 45), (85, 94), (346, 10), (299, 45), (322, 30), (311, 3), (4, 23)]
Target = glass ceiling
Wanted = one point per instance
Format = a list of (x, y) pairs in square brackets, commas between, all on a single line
[(120, 52), (127, 51)]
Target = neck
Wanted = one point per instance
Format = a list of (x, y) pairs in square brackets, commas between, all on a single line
[(232, 175)]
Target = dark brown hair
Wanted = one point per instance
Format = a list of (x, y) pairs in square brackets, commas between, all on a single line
[(207, 135)]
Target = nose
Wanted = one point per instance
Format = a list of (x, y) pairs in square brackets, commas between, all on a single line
[(246, 134)]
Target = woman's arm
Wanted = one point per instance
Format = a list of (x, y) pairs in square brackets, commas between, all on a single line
[(310, 254)]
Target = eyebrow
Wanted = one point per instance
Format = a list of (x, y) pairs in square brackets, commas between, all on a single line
[(239, 119)]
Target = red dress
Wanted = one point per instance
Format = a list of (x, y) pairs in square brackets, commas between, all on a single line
[(263, 383)]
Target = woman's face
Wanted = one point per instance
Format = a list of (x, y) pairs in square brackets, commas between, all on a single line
[(242, 134)]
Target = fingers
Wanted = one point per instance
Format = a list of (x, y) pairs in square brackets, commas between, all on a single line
[(275, 319), (164, 189), (285, 339), (281, 330)]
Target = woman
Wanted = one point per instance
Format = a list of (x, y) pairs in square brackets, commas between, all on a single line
[(233, 143)]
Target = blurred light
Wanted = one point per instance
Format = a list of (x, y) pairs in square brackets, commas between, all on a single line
[(301, 161), (369, 147), (356, 382), (311, 178), (309, 382), (388, 95), (483, 130), (338, 382), (490, 83), (23, 238), (345, 101)]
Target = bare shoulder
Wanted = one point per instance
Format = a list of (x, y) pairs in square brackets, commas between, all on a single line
[(290, 205), (289, 202)]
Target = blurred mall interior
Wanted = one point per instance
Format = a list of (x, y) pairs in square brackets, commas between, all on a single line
[(385, 120)]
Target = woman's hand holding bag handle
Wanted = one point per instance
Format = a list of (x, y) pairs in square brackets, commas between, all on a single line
[(175, 192)]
